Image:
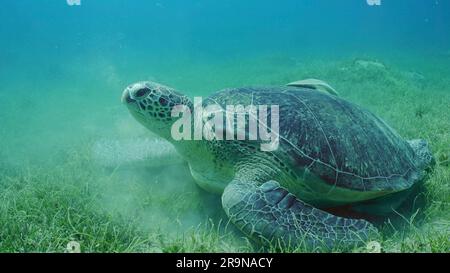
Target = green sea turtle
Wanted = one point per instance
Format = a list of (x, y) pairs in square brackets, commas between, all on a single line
[(331, 153)]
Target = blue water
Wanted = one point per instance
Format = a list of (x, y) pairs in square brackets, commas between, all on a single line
[(160, 31), (221, 28)]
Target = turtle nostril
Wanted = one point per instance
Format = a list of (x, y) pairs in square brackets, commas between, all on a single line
[(141, 92)]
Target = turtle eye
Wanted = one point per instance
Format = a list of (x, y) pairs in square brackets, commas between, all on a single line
[(142, 92)]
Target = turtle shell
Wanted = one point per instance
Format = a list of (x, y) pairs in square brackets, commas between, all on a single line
[(339, 142)]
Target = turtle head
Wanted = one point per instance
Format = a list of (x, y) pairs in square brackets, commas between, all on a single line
[(151, 104)]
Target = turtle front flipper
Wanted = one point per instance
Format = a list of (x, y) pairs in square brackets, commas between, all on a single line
[(271, 215)]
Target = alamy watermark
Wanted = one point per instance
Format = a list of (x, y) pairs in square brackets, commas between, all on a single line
[(373, 2), (235, 122), (78, 2), (73, 2)]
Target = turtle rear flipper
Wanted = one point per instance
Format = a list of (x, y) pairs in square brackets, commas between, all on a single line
[(422, 150), (271, 215)]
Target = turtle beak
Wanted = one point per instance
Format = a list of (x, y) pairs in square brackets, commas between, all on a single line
[(126, 98)]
